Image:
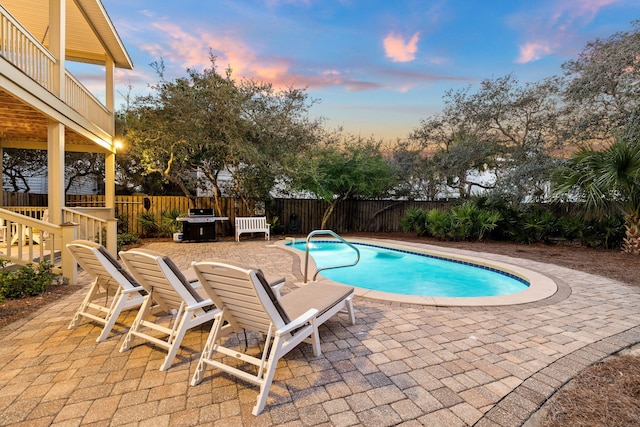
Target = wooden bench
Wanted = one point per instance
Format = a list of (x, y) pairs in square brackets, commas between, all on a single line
[(253, 224)]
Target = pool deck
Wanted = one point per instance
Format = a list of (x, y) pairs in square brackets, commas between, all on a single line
[(400, 364)]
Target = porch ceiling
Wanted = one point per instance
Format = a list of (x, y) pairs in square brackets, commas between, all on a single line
[(89, 30), (24, 126)]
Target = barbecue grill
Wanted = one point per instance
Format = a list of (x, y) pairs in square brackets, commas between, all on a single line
[(200, 225)]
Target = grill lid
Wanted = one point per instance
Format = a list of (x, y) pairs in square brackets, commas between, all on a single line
[(200, 212)]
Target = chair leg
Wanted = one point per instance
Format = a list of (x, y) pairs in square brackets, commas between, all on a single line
[(144, 311), (207, 351), (176, 339), (315, 340), (83, 306), (349, 307), (118, 303), (272, 363)]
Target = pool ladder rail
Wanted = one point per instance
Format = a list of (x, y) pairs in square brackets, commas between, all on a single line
[(336, 236)]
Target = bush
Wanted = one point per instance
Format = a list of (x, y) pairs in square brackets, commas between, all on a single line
[(24, 281), (484, 217), (123, 222), (127, 239), (415, 220), (439, 224), (170, 224), (149, 224)]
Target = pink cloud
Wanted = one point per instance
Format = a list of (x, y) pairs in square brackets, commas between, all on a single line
[(582, 10), (552, 26), (533, 51), (398, 50)]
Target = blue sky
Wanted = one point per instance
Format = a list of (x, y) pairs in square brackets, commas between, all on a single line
[(377, 66)]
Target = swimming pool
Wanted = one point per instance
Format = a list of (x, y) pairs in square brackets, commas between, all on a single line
[(410, 273), (384, 265)]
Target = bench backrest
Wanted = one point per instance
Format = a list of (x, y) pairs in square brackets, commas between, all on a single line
[(251, 223)]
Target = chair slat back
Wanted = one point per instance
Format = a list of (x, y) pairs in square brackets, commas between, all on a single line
[(156, 277), (99, 264), (239, 292)]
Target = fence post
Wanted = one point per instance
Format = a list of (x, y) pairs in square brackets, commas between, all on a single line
[(112, 236), (69, 266)]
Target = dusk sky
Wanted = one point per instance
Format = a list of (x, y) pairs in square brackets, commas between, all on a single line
[(377, 66)]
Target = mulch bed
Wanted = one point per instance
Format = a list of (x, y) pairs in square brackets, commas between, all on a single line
[(605, 394)]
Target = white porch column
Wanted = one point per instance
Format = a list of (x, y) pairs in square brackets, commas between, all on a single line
[(109, 201), (55, 163), (110, 85)]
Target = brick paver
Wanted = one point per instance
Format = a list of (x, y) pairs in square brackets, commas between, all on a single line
[(399, 364)]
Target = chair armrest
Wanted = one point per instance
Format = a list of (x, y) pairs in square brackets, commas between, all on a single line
[(201, 304), (276, 285), (298, 321), (132, 290)]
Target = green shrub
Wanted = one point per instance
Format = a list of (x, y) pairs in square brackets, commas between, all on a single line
[(169, 223), (123, 222), (463, 221), (415, 220), (148, 223), (493, 217), (606, 232), (127, 239), (439, 224), (25, 281), (486, 221), (539, 225)]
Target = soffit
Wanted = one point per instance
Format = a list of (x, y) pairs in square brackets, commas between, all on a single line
[(90, 34), (23, 124)]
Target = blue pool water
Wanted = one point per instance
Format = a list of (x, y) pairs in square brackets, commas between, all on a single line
[(408, 273)]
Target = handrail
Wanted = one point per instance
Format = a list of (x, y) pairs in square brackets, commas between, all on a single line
[(30, 240), (306, 257), (90, 227), (24, 51)]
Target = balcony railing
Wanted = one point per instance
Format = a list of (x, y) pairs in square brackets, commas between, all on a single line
[(81, 100), (22, 50)]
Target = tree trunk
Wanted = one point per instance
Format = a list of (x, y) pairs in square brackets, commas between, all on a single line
[(373, 217), (631, 243), (327, 214)]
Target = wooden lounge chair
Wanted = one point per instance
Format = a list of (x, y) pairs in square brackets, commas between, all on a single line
[(113, 288), (247, 302), (170, 292)]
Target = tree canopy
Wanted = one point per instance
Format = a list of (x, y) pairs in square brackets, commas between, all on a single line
[(192, 129), (340, 170)]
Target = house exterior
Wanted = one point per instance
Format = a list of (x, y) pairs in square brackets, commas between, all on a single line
[(44, 106)]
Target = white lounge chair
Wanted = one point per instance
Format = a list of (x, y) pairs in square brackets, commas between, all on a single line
[(168, 291), (113, 288), (247, 302)]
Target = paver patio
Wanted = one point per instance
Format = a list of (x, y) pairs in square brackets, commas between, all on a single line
[(400, 364)]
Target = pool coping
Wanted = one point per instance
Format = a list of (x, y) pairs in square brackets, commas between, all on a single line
[(540, 285)]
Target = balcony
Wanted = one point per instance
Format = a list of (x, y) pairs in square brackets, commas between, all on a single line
[(22, 50)]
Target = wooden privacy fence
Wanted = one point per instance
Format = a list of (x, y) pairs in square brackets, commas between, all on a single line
[(287, 216)]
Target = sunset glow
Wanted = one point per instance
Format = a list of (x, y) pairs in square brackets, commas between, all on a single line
[(377, 67)]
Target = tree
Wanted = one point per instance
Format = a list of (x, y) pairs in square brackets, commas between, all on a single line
[(165, 128), (607, 181), (502, 127), (82, 165), (603, 86), (19, 165), (417, 174), (336, 173), (457, 142), (277, 127), (192, 129)]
